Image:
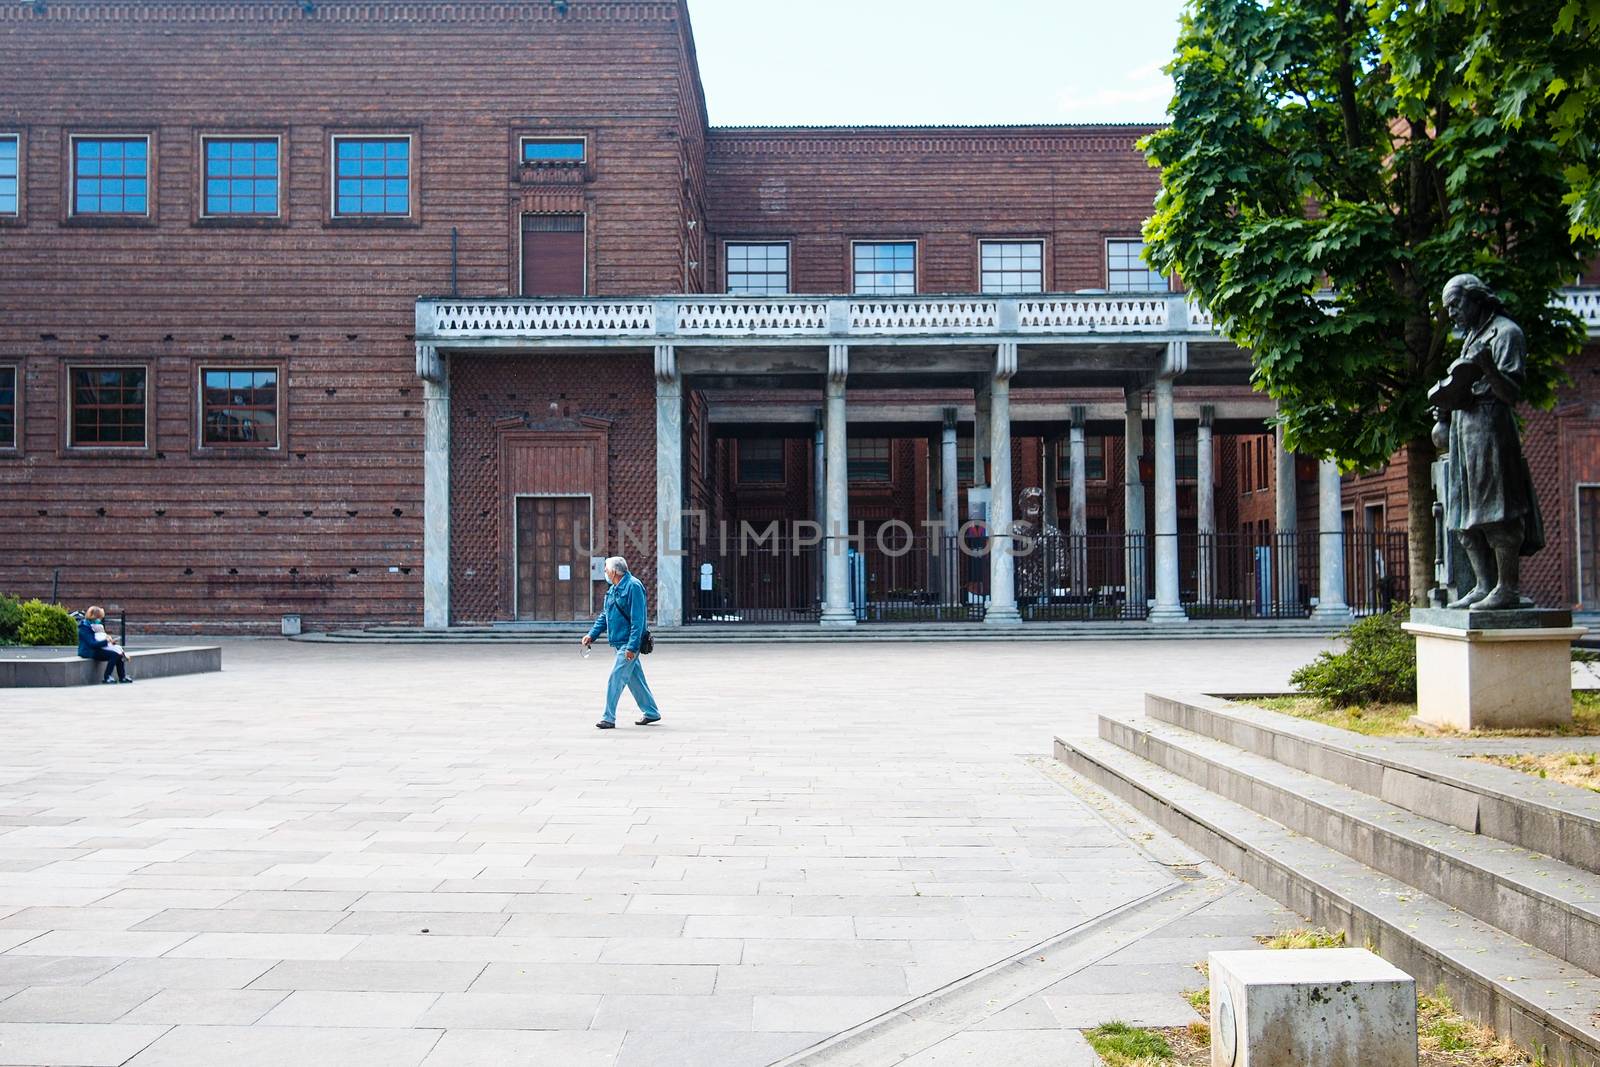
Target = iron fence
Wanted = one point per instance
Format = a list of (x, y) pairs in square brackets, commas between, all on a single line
[(1377, 570), (778, 579), (1084, 577), (1246, 575)]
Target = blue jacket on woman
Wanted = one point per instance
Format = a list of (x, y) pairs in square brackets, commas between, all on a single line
[(88, 641)]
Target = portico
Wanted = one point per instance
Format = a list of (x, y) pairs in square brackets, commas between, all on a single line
[(792, 365)]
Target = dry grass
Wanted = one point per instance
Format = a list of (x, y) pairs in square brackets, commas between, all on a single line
[(1445, 1039), (1305, 937), (1398, 720), (1581, 769)]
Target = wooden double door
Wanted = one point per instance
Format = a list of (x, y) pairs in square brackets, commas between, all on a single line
[(554, 538)]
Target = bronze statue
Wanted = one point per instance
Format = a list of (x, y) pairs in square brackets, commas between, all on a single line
[(1489, 501)]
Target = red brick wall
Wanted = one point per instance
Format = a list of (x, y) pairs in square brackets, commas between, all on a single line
[(1074, 187), (236, 542), (544, 388)]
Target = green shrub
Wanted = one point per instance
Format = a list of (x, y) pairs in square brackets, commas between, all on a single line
[(10, 620), (1377, 666), (46, 624)]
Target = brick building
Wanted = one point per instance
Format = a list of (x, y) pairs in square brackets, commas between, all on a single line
[(403, 310)]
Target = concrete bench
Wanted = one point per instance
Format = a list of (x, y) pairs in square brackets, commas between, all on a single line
[(30, 668)]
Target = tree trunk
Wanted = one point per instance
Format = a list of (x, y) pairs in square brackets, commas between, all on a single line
[(1419, 516)]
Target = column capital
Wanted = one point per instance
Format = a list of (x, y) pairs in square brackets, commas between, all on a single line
[(1077, 415), (838, 363), (666, 364), (949, 419), (430, 366), (1174, 361), (1208, 415), (1005, 361)]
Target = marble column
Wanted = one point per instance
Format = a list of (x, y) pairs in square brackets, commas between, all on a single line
[(947, 553), (1167, 606), (1286, 548), (980, 434), (435, 488), (836, 607), (669, 488), (1133, 502), (1331, 603), (819, 499), (1002, 565), (1205, 488), (1078, 503)]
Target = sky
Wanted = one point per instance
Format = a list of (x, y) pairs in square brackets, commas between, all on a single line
[(930, 62)]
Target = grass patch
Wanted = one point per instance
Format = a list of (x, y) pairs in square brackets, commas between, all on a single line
[(1395, 720), (1446, 1039), (1306, 937), (1581, 769), (1121, 1045)]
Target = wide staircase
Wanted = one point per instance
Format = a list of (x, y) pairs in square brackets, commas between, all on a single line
[(1466, 875)]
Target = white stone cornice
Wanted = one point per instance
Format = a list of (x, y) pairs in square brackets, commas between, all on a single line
[(430, 368), (1175, 360), (1005, 361), (666, 364)]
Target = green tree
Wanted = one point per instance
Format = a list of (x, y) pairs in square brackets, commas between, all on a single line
[(1316, 201)]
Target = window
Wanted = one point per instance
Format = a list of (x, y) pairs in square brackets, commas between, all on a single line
[(553, 150), (8, 407), (372, 176), (758, 269), (111, 176), (1263, 446), (760, 461), (10, 192), (965, 447), (885, 269), (869, 459), (241, 176), (108, 406), (1126, 271), (1187, 456), (1247, 480), (1013, 266), (239, 406), (1094, 460)]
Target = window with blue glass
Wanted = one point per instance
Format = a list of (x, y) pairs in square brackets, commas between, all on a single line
[(372, 176), (239, 406), (8, 407), (241, 176), (111, 176), (552, 150), (885, 268), (9, 191)]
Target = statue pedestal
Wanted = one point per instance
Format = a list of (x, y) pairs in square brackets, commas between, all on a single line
[(1493, 669)]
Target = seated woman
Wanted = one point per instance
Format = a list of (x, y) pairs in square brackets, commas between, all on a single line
[(94, 644)]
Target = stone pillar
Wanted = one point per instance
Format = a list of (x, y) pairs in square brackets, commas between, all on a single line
[(1205, 488), (669, 488), (1078, 503), (947, 552), (1133, 503), (1331, 603), (1286, 547), (836, 608), (980, 434), (1167, 607), (435, 488), (819, 473), (1002, 565)]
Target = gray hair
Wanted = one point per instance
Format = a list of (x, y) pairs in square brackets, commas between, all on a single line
[(1475, 287), (617, 563)]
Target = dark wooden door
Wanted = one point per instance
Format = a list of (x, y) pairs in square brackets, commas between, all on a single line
[(552, 557), (552, 255)]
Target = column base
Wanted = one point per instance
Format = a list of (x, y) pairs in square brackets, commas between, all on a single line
[(1168, 613), (1331, 613), (1002, 614), (837, 619)]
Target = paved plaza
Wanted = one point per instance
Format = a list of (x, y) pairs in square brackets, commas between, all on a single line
[(336, 855)]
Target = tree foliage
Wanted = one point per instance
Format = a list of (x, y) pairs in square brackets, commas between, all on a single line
[(1326, 170)]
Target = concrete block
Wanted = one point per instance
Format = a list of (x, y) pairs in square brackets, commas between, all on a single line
[(1338, 1007), (1494, 679)]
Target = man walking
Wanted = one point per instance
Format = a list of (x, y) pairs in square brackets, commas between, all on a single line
[(622, 620)]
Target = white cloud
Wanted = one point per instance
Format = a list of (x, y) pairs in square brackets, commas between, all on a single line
[(1142, 95)]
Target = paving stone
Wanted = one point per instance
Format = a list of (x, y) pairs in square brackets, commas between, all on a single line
[(475, 1048), (829, 1014), (77, 1044), (814, 979), (644, 1049), (1014, 1048), (656, 1012), (323, 1007), (277, 1046), (210, 1007), (184, 973), (71, 1004), (370, 975), (511, 1011)]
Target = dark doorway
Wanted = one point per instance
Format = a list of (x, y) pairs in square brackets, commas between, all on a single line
[(553, 558)]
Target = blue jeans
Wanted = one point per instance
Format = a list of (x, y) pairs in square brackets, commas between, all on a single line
[(629, 673)]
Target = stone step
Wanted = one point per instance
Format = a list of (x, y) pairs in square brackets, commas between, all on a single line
[(1416, 775), (1526, 994), (1531, 896), (36, 668)]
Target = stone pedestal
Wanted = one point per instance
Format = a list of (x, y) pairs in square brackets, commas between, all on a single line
[(1493, 669), (1329, 1007)]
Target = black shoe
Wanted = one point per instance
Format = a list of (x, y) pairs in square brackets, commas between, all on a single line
[(108, 680), (648, 722), (125, 681), (603, 725)]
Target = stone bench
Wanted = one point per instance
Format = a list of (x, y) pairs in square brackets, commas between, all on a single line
[(31, 668)]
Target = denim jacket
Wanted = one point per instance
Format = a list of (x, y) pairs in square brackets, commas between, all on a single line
[(622, 618)]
